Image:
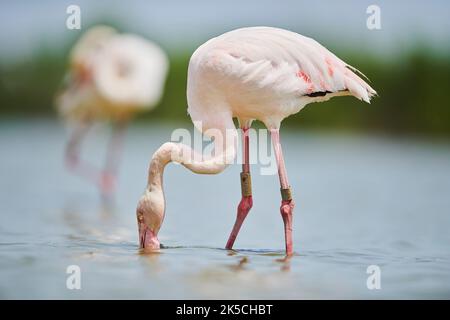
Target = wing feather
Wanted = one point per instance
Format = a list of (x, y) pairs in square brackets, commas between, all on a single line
[(289, 62)]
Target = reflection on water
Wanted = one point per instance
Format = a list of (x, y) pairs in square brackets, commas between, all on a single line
[(360, 202)]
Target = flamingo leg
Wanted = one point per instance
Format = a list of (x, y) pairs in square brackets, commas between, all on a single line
[(246, 202), (105, 178), (287, 204), (72, 155), (113, 156)]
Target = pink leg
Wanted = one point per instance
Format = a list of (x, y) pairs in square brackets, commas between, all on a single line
[(104, 179), (72, 155), (247, 201), (109, 174), (287, 204)]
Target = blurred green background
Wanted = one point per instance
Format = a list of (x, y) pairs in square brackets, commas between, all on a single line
[(407, 61)]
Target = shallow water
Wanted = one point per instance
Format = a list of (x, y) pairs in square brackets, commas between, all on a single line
[(360, 201)]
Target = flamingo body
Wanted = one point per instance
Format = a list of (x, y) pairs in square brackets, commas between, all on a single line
[(266, 74), (253, 73), (112, 76)]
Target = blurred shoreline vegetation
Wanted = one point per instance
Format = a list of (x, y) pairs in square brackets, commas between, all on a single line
[(412, 88)]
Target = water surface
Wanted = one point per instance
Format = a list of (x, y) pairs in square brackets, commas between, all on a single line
[(360, 201)]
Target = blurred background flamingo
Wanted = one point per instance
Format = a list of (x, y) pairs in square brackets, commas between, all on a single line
[(111, 76), (260, 73)]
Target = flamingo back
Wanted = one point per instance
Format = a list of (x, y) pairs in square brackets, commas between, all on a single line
[(268, 73), (112, 75)]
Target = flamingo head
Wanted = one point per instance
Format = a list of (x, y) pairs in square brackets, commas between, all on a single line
[(150, 215)]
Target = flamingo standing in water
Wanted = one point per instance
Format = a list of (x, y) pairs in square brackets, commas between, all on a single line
[(253, 73), (112, 76)]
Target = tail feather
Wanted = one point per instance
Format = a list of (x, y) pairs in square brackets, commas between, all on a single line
[(357, 86)]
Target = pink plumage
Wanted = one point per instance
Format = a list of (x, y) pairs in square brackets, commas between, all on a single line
[(267, 74)]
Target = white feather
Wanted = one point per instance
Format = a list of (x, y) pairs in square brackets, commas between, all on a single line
[(123, 74), (266, 73)]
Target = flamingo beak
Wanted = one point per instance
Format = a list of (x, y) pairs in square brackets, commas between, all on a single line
[(147, 238)]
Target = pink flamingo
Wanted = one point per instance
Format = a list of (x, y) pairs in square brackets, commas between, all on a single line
[(112, 76), (257, 73)]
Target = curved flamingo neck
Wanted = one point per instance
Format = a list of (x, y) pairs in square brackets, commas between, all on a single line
[(156, 169), (224, 154)]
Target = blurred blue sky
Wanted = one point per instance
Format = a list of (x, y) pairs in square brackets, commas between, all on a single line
[(26, 26)]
